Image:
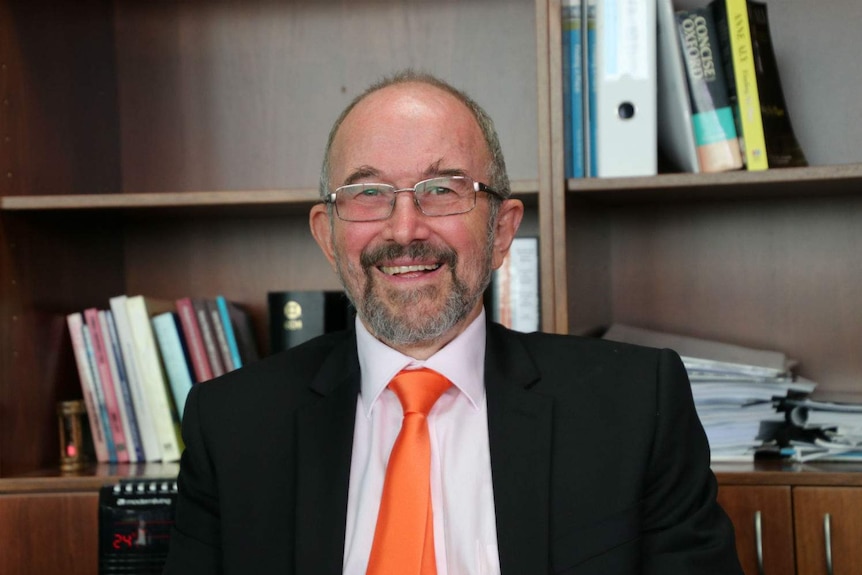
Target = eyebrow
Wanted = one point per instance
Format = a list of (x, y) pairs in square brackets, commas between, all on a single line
[(368, 172)]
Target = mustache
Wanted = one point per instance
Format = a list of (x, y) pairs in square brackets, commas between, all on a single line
[(372, 257)]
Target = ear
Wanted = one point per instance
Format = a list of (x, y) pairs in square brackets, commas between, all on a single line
[(508, 221), (321, 230)]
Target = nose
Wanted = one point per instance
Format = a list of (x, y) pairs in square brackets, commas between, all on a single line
[(407, 222)]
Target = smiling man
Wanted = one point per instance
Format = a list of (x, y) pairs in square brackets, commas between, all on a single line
[(428, 439)]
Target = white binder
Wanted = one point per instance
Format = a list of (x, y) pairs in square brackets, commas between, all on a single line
[(625, 85)]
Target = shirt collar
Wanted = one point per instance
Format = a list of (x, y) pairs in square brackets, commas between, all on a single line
[(462, 361)]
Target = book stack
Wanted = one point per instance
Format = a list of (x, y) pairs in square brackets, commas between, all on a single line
[(698, 87), (137, 360), (736, 389)]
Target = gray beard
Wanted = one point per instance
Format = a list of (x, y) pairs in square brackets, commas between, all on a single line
[(395, 326)]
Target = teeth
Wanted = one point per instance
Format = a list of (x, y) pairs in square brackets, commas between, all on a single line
[(393, 270)]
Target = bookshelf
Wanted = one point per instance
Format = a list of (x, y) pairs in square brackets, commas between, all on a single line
[(166, 148)]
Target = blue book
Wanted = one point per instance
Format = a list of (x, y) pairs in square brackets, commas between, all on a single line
[(229, 335), (174, 355), (573, 89)]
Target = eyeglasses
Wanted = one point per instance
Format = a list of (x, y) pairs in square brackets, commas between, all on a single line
[(443, 196)]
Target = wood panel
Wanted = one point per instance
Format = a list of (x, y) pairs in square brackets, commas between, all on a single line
[(49, 534), (844, 506), (241, 95), (773, 504)]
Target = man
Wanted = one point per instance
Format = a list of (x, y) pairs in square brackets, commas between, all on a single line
[(549, 454)]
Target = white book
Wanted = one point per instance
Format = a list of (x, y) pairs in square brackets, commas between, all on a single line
[(140, 310), (75, 321), (146, 423)]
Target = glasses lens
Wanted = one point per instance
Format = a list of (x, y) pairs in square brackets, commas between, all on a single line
[(364, 202), (446, 196)]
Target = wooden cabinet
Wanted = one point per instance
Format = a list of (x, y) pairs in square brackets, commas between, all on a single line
[(794, 518), (763, 519), (173, 148)]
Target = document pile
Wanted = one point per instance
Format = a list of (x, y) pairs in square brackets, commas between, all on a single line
[(822, 430), (735, 388)]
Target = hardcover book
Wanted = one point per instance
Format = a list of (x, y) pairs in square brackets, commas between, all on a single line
[(782, 148), (297, 316), (712, 119)]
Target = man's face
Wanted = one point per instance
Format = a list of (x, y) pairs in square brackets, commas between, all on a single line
[(414, 279)]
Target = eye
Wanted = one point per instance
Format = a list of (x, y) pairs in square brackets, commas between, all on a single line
[(371, 192), (439, 191)]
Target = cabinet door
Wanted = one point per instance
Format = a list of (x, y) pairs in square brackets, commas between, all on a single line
[(762, 519), (49, 533), (828, 529)]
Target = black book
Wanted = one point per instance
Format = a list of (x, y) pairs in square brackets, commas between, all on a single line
[(782, 148), (298, 316)]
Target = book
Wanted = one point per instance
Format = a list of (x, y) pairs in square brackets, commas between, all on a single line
[(146, 425), (676, 136), (75, 323), (714, 127), (782, 147), (297, 316), (168, 332), (98, 394), (731, 20), (588, 33), (515, 287), (202, 314), (140, 310), (238, 332), (124, 395), (573, 88), (107, 385), (194, 339), (218, 328)]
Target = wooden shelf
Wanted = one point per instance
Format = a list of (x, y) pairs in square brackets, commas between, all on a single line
[(789, 182), (89, 479)]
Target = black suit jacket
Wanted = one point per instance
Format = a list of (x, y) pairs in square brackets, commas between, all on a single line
[(599, 462)]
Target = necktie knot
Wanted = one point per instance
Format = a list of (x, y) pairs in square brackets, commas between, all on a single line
[(418, 389)]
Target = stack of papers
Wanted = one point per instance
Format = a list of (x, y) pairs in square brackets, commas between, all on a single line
[(735, 388)]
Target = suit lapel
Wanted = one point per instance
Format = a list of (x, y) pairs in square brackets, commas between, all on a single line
[(519, 427), (324, 447)]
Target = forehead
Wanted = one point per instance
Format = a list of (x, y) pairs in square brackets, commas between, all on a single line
[(410, 126)]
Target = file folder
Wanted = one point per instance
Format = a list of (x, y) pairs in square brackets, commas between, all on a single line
[(625, 87)]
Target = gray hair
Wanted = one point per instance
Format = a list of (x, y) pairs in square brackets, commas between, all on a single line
[(498, 178)]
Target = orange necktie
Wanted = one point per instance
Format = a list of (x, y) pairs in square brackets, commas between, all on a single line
[(404, 536)]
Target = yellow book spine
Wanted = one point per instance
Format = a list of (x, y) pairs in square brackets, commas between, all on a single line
[(745, 76)]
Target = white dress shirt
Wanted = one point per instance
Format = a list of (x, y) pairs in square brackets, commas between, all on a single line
[(465, 532)]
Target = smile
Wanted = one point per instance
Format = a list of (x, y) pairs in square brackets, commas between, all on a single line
[(395, 270)]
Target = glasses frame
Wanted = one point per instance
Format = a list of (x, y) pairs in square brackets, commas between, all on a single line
[(478, 186)]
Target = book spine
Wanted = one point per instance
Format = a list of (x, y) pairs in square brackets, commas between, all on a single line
[(106, 381), (712, 115), (146, 426), (573, 88), (208, 336), (194, 339), (75, 323), (229, 331), (99, 396), (782, 147), (220, 337), (589, 63), (731, 17), (121, 384), (174, 358), (153, 378)]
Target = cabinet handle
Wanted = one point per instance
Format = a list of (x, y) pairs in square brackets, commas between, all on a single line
[(827, 540), (758, 541)]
